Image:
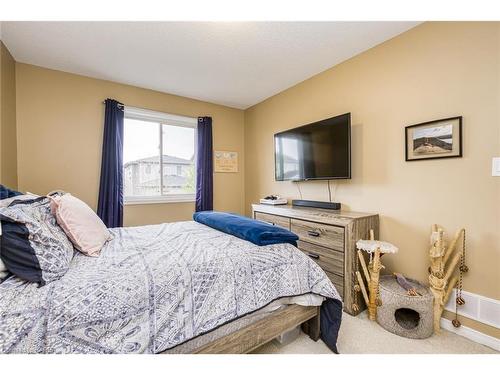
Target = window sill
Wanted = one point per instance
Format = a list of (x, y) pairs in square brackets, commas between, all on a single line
[(157, 200)]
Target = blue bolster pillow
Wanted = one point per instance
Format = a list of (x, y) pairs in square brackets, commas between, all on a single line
[(247, 229)]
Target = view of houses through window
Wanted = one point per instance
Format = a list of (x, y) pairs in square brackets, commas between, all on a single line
[(158, 160)]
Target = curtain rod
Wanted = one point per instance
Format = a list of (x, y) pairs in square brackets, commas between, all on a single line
[(119, 104), (152, 110)]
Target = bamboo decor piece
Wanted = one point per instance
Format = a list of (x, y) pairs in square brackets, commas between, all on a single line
[(363, 266), (372, 272), (442, 276), (375, 267), (362, 287)]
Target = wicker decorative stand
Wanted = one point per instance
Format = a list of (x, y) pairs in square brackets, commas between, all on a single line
[(404, 315)]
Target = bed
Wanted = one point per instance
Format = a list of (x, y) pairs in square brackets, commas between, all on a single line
[(170, 288)]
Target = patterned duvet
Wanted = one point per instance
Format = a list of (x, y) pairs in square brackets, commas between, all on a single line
[(152, 288)]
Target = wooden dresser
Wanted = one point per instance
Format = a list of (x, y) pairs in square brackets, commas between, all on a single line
[(329, 238)]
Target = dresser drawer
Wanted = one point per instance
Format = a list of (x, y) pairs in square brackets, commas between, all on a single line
[(328, 259), (280, 221), (320, 234), (338, 282)]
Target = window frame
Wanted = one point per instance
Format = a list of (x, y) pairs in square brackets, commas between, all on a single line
[(161, 119)]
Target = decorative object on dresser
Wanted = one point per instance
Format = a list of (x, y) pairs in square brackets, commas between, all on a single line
[(404, 314), (273, 200), (442, 273), (329, 238), (375, 249)]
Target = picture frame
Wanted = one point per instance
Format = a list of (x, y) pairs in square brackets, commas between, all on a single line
[(225, 161), (437, 139)]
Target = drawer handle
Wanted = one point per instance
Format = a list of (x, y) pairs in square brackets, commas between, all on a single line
[(313, 233), (312, 255), (270, 222)]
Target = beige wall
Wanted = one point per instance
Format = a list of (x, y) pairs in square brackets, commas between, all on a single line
[(59, 131), (434, 71), (8, 151)]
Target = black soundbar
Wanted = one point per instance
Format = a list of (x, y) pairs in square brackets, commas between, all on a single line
[(316, 204)]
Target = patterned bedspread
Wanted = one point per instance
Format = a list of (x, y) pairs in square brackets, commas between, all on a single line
[(152, 288)]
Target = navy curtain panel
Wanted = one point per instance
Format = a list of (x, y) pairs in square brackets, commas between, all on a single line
[(110, 204), (204, 166)]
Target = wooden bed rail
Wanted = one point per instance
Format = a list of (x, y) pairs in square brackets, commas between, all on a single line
[(262, 331)]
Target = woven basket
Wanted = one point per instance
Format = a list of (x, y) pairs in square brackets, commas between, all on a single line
[(404, 315)]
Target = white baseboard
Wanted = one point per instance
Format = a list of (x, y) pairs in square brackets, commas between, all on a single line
[(471, 334), (477, 307)]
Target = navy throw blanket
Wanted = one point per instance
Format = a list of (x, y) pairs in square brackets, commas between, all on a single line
[(256, 232), (329, 322)]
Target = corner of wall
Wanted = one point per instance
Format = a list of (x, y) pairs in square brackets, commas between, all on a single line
[(1, 59), (8, 124)]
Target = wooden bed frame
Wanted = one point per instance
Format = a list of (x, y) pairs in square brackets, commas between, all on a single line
[(262, 331)]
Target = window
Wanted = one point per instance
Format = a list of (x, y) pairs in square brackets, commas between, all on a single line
[(159, 156)]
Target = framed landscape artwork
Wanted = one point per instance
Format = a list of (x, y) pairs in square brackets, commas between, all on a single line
[(434, 139)]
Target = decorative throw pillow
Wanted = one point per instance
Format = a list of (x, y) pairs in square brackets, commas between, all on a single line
[(33, 247), (3, 270), (83, 227), (14, 196)]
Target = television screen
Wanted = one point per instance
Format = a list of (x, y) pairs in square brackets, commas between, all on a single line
[(317, 151)]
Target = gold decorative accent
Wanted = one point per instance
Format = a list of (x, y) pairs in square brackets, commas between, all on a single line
[(372, 276), (443, 278), (355, 307)]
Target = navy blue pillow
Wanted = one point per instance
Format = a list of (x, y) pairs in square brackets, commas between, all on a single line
[(257, 232), (33, 246), (5, 192), (16, 252)]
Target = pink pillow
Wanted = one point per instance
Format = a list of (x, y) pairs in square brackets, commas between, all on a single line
[(83, 227)]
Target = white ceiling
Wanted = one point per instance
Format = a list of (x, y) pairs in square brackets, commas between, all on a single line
[(237, 64)]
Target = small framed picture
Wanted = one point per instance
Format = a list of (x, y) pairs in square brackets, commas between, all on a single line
[(226, 161), (434, 139)]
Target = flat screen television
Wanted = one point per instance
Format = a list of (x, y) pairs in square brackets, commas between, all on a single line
[(317, 151)]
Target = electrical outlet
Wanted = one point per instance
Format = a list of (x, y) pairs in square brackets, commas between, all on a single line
[(495, 166)]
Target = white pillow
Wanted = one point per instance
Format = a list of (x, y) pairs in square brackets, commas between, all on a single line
[(3, 270), (83, 227)]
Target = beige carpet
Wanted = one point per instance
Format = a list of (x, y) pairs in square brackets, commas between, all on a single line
[(358, 335)]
